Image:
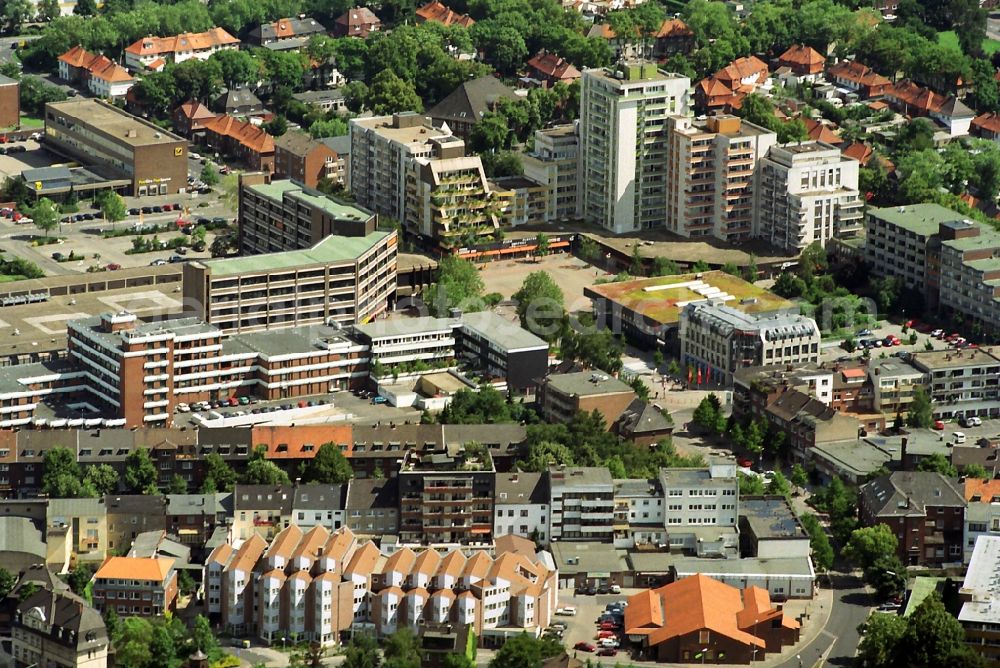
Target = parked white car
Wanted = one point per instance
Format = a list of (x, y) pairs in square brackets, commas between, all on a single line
[(568, 611), (958, 438)]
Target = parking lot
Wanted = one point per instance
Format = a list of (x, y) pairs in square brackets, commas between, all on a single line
[(582, 627)]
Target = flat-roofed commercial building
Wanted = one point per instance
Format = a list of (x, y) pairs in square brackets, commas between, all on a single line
[(979, 592), (348, 280), (961, 382), (102, 136), (282, 215)]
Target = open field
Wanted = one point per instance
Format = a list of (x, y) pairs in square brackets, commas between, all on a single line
[(949, 38), (662, 299)]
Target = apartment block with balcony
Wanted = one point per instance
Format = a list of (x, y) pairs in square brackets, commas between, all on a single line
[(136, 586), (449, 199), (555, 163), (582, 504), (639, 518), (893, 383), (970, 275), (701, 509), (284, 215), (806, 193), (721, 340), (382, 148), (624, 143), (446, 495), (520, 200), (57, 628), (961, 382), (341, 279), (711, 176)]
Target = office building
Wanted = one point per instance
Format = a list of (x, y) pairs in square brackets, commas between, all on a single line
[(555, 163), (306, 160), (283, 215), (446, 495), (639, 514), (106, 139), (501, 349), (154, 53), (719, 340), (58, 628), (980, 597), (582, 504), (806, 193), (924, 507), (711, 165), (136, 586), (382, 148), (346, 280), (701, 507), (624, 112)]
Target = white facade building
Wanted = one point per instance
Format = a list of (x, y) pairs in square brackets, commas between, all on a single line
[(522, 506), (701, 509), (639, 513), (582, 503)]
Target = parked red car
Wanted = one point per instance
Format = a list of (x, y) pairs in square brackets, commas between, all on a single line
[(608, 626), (114, 266), (745, 463), (608, 651), (938, 425), (584, 647), (606, 634)]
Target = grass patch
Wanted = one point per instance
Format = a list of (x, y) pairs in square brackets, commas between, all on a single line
[(950, 38), (9, 278), (31, 122)]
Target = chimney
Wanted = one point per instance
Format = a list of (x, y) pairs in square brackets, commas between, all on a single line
[(902, 452)]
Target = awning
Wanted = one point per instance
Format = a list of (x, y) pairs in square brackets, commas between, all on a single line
[(598, 575)]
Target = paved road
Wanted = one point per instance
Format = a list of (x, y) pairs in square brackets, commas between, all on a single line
[(838, 643)]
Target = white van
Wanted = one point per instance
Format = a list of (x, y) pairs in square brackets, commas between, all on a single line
[(958, 438)]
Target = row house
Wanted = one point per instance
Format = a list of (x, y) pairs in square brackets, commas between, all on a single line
[(153, 53), (190, 117), (243, 140), (286, 34), (319, 584), (913, 100), (858, 77), (102, 76)]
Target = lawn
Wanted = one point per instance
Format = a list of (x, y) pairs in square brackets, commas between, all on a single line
[(949, 38), (31, 122), (664, 304), (8, 278)]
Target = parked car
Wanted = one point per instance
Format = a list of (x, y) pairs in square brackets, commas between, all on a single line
[(608, 642), (584, 647), (937, 333), (606, 634), (379, 399), (113, 266), (958, 438), (58, 257), (608, 651), (176, 258), (938, 424), (566, 611), (972, 421), (863, 332), (183, 408)]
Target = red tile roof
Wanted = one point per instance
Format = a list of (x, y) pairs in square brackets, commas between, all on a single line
[(194, 110), (150, 569), (821, 132), (440, 13), (800, 55), (188, 41), (287, 442), (988, 122), (245, 133), (553, 67), (986, 490), (97, 65), (859, 151), (850, 70), (743, 68), (673, 28)]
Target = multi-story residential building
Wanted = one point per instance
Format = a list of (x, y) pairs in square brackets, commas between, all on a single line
[(893, 382), (701, 507), (639, 514), (193, 518), (58, 628), (961, 382), (710, 175), (520, 201), (284, 215), (86, 524), (555, 163), (261, 510), (319, 505), (341, 279), (153, 53), (582, 505), (982, 512), (924, 509), (806, 193), (562, 395), (129, 515), (382, 148), (102, 76), (306, 160), (371, 508), (136, 586), (720, 340), (858, 77), (149, 159), (980, 615), (448, 197), (624, 112), (404, 341), (522, 505), (446, 495), (319, 585), (970, 268)]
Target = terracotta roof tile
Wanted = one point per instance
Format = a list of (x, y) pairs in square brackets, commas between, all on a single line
[(427, 562), (401, 561), (986, 490), (673, 28), (859, 151), (801, 55), (438, 12), (988, 122), (246, 557), (452, 564), (363, 560), (552, 66), (285, 542), (188, 41), (150, 569), (244, 132), (312, 543)]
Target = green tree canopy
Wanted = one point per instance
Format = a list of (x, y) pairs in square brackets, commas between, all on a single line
[(868, 544), (459, 285), (140, 472), (264, 472), (540, 305), (921, 413), (329, 466)]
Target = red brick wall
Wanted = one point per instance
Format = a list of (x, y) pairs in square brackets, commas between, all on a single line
[(10, 105)]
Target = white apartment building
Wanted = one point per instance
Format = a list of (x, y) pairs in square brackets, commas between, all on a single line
[(639, 513), (624, 112), (701, 509), (806, 192), (156, 52), (961, 382), (381, 150), (522, 506), (582, 503), (555, 163), (711, 163), (720, 340)]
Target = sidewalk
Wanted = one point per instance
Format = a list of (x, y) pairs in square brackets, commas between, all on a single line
[(814, 616)]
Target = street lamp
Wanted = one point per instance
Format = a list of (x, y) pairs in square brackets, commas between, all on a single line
[(799, 657), (754, 657), (704, 651)]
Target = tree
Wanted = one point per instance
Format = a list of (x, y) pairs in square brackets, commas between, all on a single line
[(79, 578), (779, 485), (524, 651), (238, 67), (402, 650), (799, 477), (221, 474), (935, 638), (939, 463), (113, 207), (223, 245), (593, 349), (331, 127), (202, 635), (85, 8), (977, 471), (706, 415), (7, 582), (867, 544), (362, 652), (789, 285), (45, 213), (540, 305), (459, 285), (178, 485), (14, 13), (48, 10), (329, 466), (62, 477), (134, 647), (822, 551), (140, 472), (541, 245), (277, 126), (209, 175), (750, 485), (389, 94), (881, 642), (264, 472), (545, 454), (921, 413), (455, 660), (103, 478), (887, 576)]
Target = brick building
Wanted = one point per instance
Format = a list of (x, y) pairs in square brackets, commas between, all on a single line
[(562, 395), (298, 156), (10, 102)]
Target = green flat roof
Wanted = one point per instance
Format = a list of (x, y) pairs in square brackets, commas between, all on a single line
[(277, 189), (330, 250), (923, 586), (922, 219), (987, 238), (986, 264)]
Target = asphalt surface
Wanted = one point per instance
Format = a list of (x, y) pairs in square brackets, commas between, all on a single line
[(837, 644)]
